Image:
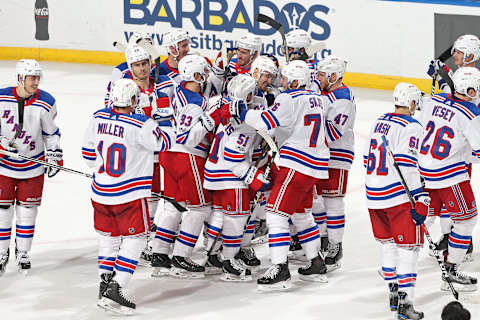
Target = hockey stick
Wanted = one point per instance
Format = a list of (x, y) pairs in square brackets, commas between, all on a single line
[(120, 46), (177, 205), (427, 234), (44, 163), (444, 56), (277, 26)]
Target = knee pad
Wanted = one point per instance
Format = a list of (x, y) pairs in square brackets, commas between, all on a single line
[(277, 221), (303, 221), (465, 227), (26, 215), (6, 217), (334, 206), (108, 246)]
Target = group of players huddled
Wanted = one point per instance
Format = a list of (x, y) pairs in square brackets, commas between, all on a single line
[(243, 148)]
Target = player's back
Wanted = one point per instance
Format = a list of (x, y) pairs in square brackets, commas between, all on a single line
[(451, 129), (382, 183), (301, 135)]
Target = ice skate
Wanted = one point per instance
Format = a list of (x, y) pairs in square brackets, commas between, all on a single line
[(234, 270), (460, 281), (184, 267), (295, 252), (315, 270), (276, 278), (393, 296), (213, 265), (324, 245), (248, 257), (261, 232), (406, 310), (114, 300), (105, 278), (469, 255), (334, 255), (4, 261), (146, 257), (23, 261), (441, 244), (161, 264)]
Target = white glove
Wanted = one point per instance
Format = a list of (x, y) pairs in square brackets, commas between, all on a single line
[(5, 144), (207, 122), (138, 110), (53, 157)]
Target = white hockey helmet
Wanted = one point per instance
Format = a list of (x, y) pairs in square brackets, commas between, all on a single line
[(297, 70), (467, 78), (137, 36), (28, 67), (298, 39), (404, 93), (241, 86), (249, 42), (332, 65), (172, 38), (468, 44), (263, 64), (135, 53), (123, 91), (192, 64)]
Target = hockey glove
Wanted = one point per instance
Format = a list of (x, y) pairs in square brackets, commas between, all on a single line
[(207, 122), (256, 179), (138, 110), (236, 108), (7, 144), (163, 116), (216, 115), (419, 214), (433, 68), (53, 157)]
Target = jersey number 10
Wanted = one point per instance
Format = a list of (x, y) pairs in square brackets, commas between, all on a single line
[(116, 157)]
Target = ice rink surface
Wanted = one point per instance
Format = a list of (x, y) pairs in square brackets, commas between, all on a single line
[(63, 282)]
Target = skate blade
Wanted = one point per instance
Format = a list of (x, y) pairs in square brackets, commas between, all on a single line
[(333, 267), (158, 272), (144, 263), (109, 305), (260, 240), (180, 273), (210, 271), (281, 286), (297, 256), (233, 278), (314, 278), (459, 287)]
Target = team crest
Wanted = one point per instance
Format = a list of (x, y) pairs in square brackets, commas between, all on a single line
[(400, 238), (450, 203), (131, 230)]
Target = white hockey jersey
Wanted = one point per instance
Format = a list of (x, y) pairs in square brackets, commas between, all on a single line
[(191, 137), (120, 149), (298, 117), (231, 155), (39, 132), (382, 183), (342, 112), (452, 131)]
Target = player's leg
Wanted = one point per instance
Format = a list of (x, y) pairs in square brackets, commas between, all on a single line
[(409, 239), (199, 202), (246, 253), (214, 236), (260, 234), (7, 199), (320, 216), (29, 197)]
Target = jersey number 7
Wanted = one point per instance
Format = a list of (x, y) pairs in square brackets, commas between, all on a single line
[(316, 119)]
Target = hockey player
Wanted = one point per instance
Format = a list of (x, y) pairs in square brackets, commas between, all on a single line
[(27, 127), (298, 41), (395, 224), (298, 119), (177, 45), (119, 146), (234, 178), (452, 128), (329, 204), (184, 173)]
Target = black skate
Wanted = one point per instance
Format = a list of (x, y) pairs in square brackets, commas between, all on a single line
[(260, 235), (442, 243), (393, 297), (4, 261), (113, 300), (105, 278), (324, 245), (184, 267), (146, 257), (469, 255), (248, 257), (161, 264), (234, 270), (460, 281), (295, 250), (276, 278), (405, 309), (23, 261), (315, 270), (334, 255), (214, 264)]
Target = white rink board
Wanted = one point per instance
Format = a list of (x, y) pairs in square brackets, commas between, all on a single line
[(63, 283)]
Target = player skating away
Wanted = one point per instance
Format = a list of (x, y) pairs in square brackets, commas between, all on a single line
[(27, 126), (231, 174), (465, 51), (452, 130), (184, 173), (329, 205), (119, 146), (177, 45), (396, 226), (298, 120)]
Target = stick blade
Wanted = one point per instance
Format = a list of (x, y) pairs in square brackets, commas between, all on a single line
[(267, 20)]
